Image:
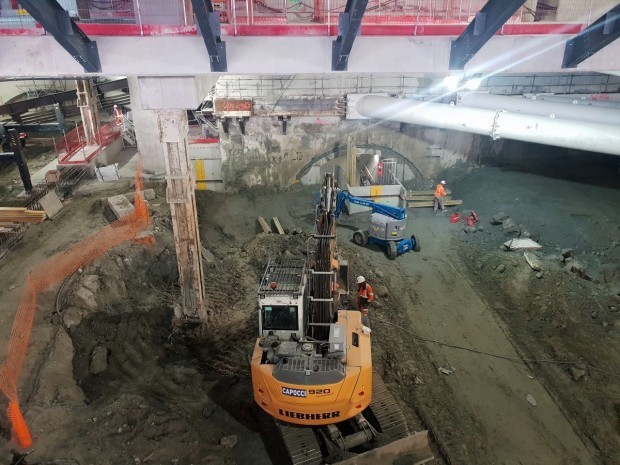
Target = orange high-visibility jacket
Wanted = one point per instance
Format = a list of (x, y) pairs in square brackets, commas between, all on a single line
[(365, 293), (440, 191)]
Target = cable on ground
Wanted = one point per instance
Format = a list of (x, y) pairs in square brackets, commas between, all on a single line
[(503, 357)]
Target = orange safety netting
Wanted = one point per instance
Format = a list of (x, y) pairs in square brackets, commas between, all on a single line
[(49, 273)]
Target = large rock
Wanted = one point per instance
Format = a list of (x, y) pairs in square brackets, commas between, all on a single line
[(577, 373), (120, 206), (86, 298), (567, 253), (71, 317), (498, 218), (533, 261), (510, 226), (228, 442), (98, 360), (91, 282), (55, 384)]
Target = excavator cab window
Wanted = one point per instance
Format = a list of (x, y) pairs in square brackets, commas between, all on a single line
[(280, 317)]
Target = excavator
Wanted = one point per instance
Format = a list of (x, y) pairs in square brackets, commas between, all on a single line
[(312, 368)]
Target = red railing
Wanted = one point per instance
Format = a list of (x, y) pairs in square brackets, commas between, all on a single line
[(71, 142), (308, 17), (75, 140)]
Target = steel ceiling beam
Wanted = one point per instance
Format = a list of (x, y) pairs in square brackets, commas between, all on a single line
[(349, 24), (209, 23), (487, 22), (59, 24), (597, 35)]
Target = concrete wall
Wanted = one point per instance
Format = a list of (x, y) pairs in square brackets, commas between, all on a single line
[(264, 156), (187, 55), (147, 131)]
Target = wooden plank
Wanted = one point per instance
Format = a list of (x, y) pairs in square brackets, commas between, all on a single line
[(447, 203), (430, 192), (277, 224), (264, 225)]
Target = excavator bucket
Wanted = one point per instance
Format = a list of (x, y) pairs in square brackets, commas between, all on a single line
[(412, 450)]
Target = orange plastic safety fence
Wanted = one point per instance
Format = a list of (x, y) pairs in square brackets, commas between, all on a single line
[(21, 433), (49, 273)]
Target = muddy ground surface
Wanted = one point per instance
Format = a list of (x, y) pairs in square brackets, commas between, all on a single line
[(110, 379)]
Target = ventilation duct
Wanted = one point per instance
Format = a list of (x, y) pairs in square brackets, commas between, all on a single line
[(564, 110), (498, 124)]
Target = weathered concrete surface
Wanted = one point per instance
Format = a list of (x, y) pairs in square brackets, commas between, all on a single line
[(120, 205), (265, 156)]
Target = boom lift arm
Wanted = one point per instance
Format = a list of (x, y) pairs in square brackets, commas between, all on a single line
[(398, 213)]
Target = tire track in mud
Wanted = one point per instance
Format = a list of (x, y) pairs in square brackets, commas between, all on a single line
[(408, 368)]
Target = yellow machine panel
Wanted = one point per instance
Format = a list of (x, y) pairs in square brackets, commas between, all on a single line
[(314, 405)]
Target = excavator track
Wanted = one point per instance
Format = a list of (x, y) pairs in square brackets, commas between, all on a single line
[(301, 444), (386, 410)]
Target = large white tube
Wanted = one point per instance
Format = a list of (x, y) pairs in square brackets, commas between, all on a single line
[(603, 138), (562, 110)]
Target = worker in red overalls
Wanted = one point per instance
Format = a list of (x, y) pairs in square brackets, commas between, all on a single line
[(365, 295)]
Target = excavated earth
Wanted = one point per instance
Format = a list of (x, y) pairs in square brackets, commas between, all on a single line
[(112, 377)]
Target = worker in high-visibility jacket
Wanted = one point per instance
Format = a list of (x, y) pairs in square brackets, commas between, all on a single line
[(440, 194), (118, 116), (365, 295)]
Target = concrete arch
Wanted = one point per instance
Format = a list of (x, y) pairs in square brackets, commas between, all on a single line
[(339, 150)]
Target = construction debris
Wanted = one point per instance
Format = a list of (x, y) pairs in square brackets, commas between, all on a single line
[(20, 215), (98, 360), (277, 224), (107, 173), (120, 206), (446, 371), (522, 244), (51, 204), (419, 199), (264, 225), (533, 261)]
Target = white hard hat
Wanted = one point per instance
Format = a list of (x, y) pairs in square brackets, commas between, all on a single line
[(361, 279), (443, 182), (115, 106)]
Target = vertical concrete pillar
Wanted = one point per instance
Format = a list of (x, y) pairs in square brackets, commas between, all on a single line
[(147, 131), (87, 102), (173, 129)]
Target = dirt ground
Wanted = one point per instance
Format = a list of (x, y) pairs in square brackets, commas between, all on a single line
[(110, 379)]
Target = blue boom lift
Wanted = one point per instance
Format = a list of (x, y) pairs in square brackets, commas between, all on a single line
[(387, 226)]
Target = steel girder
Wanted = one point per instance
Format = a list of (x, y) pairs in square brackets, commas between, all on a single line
[(209, 23), (349, 24), (491, 17), (597, 35), (59, 24)]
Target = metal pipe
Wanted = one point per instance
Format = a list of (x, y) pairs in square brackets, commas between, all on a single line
[(539, 107), (594, 100), (595, 137)]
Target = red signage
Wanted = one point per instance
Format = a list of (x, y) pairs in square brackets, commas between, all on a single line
[(233, 107)]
